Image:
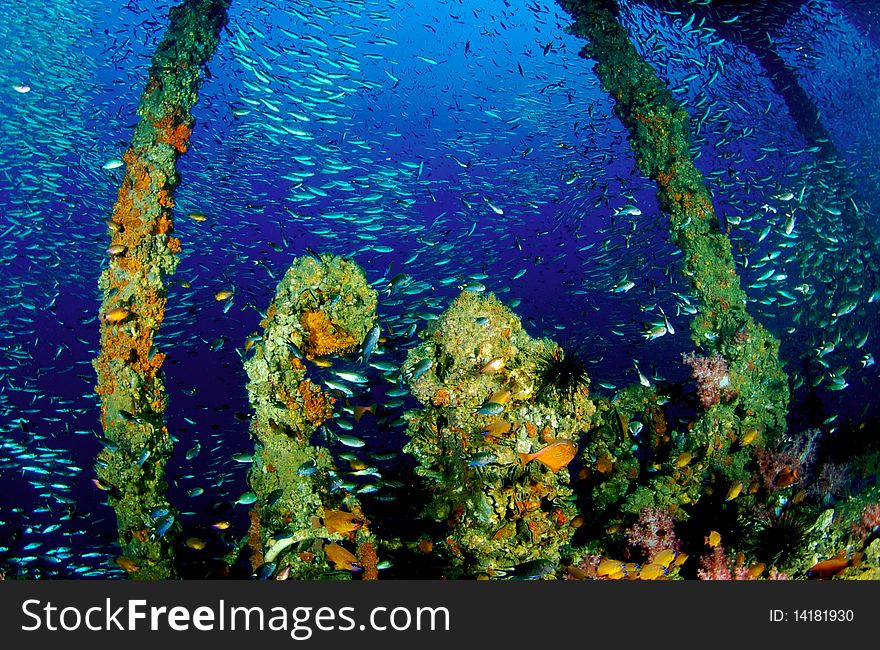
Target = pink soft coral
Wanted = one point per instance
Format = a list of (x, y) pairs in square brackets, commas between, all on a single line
[(717, 566), (653, 532), (711, 375)]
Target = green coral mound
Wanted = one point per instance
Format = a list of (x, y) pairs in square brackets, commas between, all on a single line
[(320, 308), (323, 306), (476, 373)]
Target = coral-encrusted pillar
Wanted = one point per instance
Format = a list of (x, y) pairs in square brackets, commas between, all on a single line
[(660, 139), (302, 525), (131, 466), (494, 440)]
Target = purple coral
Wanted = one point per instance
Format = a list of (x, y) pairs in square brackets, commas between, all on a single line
[(832, 483), (583, 570), (711, 375), (791, 462)]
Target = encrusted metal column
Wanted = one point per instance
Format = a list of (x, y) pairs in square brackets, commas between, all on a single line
[(741, 388), (142, 252), (660, 139)]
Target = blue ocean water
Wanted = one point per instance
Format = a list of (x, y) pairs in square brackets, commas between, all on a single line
[(459, 143)]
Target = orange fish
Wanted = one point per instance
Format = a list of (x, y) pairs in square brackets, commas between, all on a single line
[(651, 571), (556, 455), (683, 459), (577, 573), (798, 497), (127, 564), (492, 366), (116, 315), (756, 569), (609, 568), (787, 476), (734, 491), (604, 463), (749, 436), (497, 428), (360, 410), (665, 557), (339, 521), (828, 568), (340, 557)]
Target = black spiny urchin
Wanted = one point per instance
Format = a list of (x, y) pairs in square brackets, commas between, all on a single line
[(561, 373), (782, 540)]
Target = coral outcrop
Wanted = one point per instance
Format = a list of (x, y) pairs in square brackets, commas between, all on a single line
[(493, 455), (301, 526)]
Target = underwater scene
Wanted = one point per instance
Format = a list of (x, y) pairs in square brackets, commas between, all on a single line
[(490, 289)]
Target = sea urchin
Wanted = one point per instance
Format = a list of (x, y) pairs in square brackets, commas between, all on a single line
[(783, 540), (561, 373)]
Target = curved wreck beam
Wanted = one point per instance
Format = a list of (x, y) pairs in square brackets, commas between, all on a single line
[(131, 466), (753, 26), (660, 139)]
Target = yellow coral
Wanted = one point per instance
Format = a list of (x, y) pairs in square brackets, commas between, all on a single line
[(318, 406), (323, 336)]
